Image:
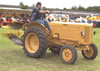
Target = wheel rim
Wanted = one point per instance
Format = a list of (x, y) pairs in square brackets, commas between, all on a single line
[(32, 42), (90, 52), (67, 54)]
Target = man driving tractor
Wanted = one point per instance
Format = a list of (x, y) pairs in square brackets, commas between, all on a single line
[(37, 15)]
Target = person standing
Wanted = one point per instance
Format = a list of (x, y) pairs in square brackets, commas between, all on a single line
[(1, 20)]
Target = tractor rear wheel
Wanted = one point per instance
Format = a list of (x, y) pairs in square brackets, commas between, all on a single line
[(68, 54), (35, 42), (91, 53)]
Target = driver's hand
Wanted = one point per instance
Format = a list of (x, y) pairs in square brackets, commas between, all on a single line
[(47, 11)]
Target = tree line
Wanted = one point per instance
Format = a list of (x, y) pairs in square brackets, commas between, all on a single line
[(90, 8), (80, 8)]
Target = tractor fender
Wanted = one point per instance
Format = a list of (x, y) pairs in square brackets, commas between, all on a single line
[(37, 25)]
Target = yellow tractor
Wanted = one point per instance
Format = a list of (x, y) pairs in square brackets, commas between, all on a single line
[(65, 39)]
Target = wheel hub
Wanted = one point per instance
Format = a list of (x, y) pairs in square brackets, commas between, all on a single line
[(67, 54), (32, 42), (89, 52)]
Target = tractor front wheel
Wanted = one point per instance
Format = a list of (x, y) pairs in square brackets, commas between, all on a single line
[(68, 54), (91, 53)]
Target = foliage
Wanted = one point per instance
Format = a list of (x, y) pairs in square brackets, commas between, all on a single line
[(64, 8), (74, 8), (94, 8), (44, 8), (81, 8), (33, 6), (22, 6)]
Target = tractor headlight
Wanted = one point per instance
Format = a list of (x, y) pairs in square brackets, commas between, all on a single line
[(82, 33)]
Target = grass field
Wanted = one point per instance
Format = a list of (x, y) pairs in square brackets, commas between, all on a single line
[(13, 58)]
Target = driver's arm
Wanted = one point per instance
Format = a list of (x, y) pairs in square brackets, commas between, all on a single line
[(41, 11)]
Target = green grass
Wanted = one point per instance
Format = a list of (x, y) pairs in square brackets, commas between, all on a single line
[(13, 58)]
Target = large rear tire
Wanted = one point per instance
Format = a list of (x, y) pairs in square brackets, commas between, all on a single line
[(68, 54), (91, 53), (35, 42)]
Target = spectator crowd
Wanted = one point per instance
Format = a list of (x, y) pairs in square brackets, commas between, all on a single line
[(25, 18), (8, 19)]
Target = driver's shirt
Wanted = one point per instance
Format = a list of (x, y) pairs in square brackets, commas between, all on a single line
[(37, 14)]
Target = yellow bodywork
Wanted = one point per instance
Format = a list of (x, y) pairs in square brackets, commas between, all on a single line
[(62, 33)]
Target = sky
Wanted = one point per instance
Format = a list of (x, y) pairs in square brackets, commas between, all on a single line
[(54, 3)]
